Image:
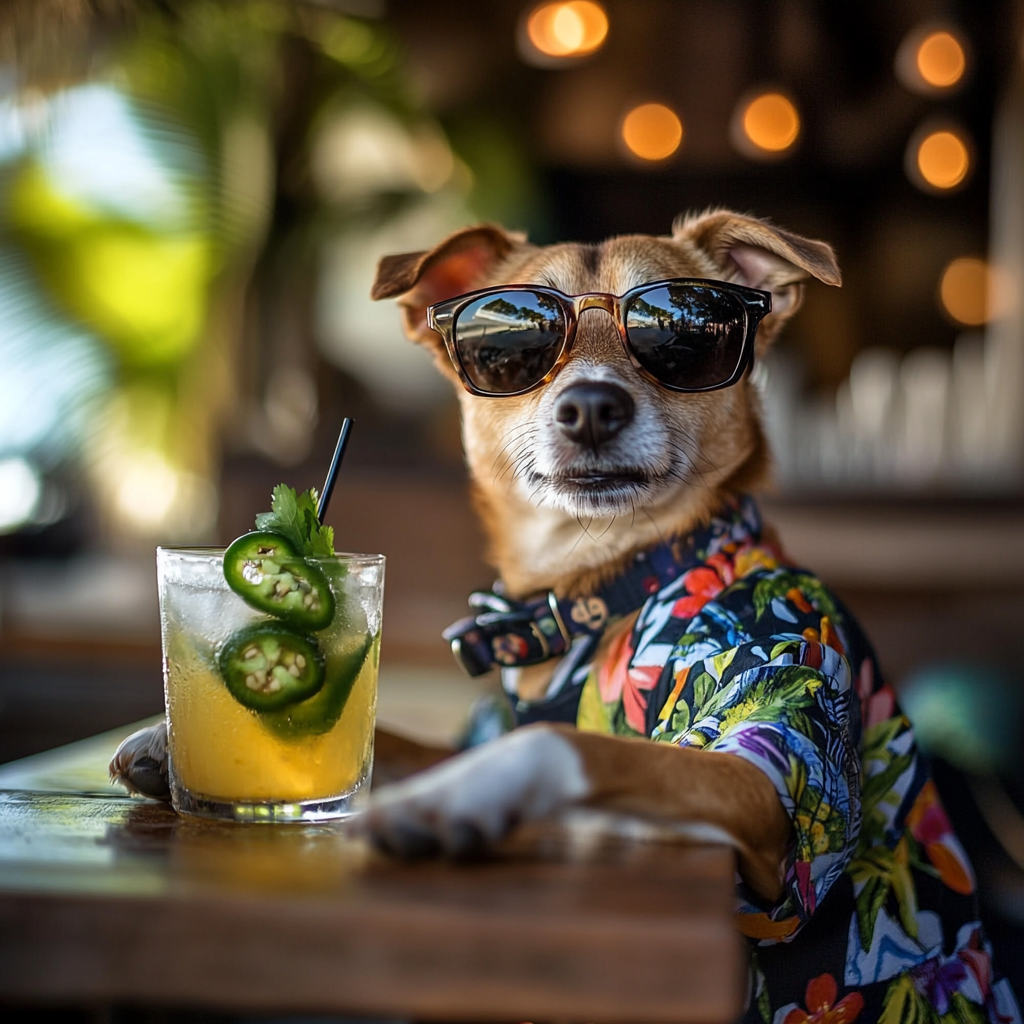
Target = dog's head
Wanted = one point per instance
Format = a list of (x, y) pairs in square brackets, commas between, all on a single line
[(599, 439)]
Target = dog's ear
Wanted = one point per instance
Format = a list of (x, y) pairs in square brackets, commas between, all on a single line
[(460, 263), (760, 255)]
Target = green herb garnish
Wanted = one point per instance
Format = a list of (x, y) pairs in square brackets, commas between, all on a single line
[(293, 516)]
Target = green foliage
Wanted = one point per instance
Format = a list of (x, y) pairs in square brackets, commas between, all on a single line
[(293, 516)]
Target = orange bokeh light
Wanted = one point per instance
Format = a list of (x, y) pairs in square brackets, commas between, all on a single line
[(933, 58), (973, 292), (943, 159), (652, 131), (941, 61), (575, 28), (771, 122)]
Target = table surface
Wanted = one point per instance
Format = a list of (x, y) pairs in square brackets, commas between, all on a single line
[(107, 899)]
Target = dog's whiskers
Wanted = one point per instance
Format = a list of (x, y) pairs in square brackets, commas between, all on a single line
[(514, 451), (513, 436)]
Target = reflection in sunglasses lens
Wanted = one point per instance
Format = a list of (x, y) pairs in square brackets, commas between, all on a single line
[(686, 335), (509, 341)]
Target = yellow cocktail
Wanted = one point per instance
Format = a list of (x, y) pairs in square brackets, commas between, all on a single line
[(234, 752)]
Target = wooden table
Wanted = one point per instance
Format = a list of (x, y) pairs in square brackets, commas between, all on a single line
[(110, 900)]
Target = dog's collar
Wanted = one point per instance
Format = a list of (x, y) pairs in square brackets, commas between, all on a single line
[(506, 633)]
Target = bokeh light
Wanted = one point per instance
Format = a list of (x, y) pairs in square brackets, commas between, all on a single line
[(652, 131), (766, 125), (939, 158), (576, 28), (941, 59), (771, 122), (20, 490), (973, 292), (933, 58)]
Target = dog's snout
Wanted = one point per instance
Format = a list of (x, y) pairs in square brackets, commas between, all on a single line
[(592, 413)]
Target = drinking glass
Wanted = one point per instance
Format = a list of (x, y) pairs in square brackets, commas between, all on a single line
[(308, 761)]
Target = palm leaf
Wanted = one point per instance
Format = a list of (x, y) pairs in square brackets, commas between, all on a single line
[(778, 585), (904, 1004), (869, 903)]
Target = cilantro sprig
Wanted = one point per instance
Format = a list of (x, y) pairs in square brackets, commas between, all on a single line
[(293, 516)]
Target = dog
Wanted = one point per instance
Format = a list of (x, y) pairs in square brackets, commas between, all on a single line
[(663, 657)]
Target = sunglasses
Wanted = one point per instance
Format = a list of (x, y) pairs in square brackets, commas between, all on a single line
[(685, 334)]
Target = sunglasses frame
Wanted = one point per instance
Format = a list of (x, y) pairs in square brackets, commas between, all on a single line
[(756, 305)]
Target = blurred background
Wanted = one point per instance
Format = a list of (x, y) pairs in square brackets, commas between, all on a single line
[(193, 196)]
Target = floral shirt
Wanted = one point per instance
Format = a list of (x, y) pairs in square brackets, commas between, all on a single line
[(746, 654)]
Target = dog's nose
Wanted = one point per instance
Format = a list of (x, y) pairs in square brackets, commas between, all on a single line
[(594, 412)]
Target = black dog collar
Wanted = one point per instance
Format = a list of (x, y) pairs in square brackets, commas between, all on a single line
[(506, 633)]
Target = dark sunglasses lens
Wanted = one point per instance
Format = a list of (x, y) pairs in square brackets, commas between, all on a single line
[(686, 335), (509, 341)]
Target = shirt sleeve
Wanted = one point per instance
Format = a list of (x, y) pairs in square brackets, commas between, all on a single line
[(783, 704)]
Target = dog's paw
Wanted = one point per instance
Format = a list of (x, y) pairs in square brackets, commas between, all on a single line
[(140, 763), (470, 802)]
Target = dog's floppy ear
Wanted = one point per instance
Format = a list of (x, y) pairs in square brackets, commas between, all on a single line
[(462, 262), (760, 255)]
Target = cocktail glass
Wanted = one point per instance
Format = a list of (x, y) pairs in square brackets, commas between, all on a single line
[(309, 761)]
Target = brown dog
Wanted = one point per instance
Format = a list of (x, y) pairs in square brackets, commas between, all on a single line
[(612, 433), (540, 489)]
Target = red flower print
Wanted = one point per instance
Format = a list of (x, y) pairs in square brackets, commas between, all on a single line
[(794, 596), (804, 885), (930, 826), (617, 679), (810, 655), (822, 1007), (978, 963), (612, 675), (927, 818), (724, 566), (701, 585), (635, 694)]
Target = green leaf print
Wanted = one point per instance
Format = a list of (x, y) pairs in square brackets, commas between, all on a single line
[(779, 584), (890, 870), (869, 903), (776, 698), (720, 662), (878, 788), (703, 687), (785, 647), (963, 1011), (905, 1005), (788, 687), (764, 1002), (681, 717)]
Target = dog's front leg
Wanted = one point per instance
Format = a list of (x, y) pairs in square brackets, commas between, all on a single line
[(475, 799)]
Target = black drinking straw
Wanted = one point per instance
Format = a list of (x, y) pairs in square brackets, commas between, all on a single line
[(332, 473)]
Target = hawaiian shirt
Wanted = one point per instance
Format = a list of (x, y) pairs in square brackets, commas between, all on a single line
[(747, 654)]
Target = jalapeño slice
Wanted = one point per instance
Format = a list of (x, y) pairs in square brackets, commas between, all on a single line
[(267, 573), (268, 666), (320, 713)]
